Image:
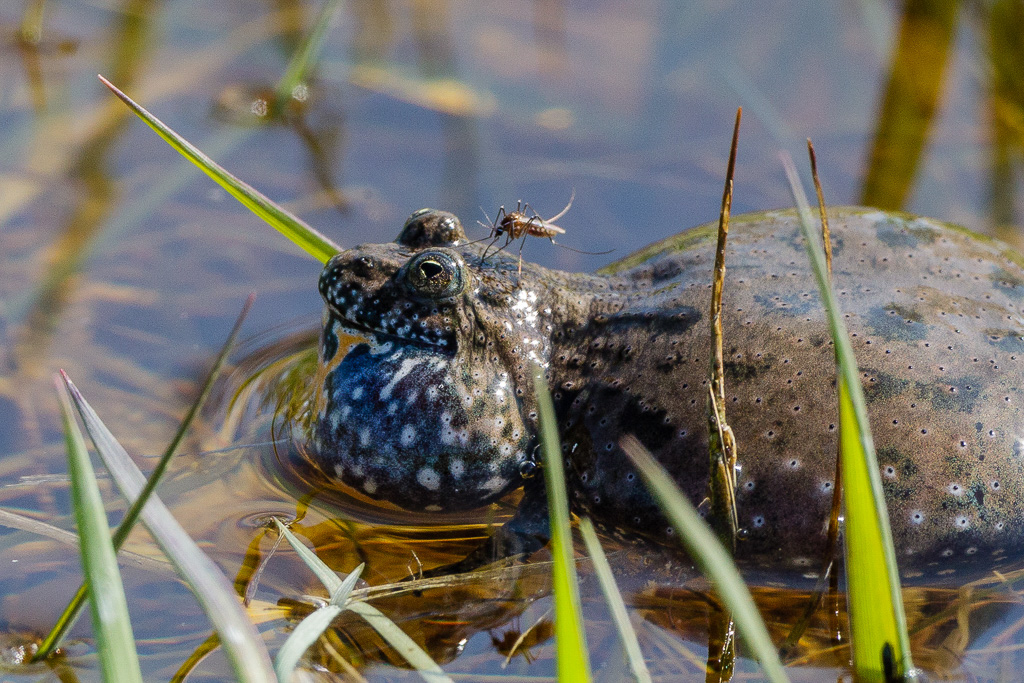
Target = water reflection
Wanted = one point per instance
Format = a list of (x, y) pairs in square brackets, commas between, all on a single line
[(1006, 115), (911, 101)]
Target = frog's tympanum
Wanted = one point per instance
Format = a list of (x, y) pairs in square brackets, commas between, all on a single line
[(436, 412)]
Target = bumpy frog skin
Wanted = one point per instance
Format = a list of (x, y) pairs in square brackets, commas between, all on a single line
[(435, 411)]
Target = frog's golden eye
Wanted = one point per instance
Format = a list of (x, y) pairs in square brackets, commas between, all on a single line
[(436, 274)]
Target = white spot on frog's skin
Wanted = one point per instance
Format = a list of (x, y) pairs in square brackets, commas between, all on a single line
[(404, 369), (392, 407), (758, 521), (947, 552), (961, 522), (345, 412), (955, 489), (408, 435), (357, 393), (495, 483), (433, 508), (364, 437), (378, 349), (456, 467), (916, 517), (339, 471), (888, 471), (370, 486), (428, 479)]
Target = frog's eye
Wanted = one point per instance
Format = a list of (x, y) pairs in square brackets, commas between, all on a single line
[(436, 274)]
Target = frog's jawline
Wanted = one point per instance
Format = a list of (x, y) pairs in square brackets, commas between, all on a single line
[(353, 329)]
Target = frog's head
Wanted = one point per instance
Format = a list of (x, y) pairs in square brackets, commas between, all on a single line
[(434, 410)]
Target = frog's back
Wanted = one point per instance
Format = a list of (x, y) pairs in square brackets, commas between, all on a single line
[(935, 319)]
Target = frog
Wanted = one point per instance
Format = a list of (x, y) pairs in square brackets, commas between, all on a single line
[(433, 410)]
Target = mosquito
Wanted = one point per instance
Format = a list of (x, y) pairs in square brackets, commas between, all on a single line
[(523, 222)]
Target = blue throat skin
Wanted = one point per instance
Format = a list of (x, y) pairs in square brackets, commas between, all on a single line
[(434, 411)]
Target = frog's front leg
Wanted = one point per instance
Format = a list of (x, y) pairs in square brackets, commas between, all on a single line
[(515, 540)]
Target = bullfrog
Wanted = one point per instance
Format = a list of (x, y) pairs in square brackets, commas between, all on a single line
[(433, 408)]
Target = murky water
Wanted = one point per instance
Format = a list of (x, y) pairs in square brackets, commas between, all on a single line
[(122, 265)]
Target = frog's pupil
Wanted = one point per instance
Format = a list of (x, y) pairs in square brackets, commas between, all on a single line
[(431, 270)]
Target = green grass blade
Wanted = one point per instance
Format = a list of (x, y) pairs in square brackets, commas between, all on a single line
[(308, 51), (215, 593), (877, 619), (282, 220), (616, 605), (326, 575), (573, 662), (70, 614), (301, 638), (710, 555), (115, 641), (426, 667)]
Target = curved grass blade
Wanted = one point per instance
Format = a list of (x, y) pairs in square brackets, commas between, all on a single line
[(70, 614), (340, 596), (311, 628), (573, 662), (878, 623), (326, 575), (616, 605), (115, 641), (307, 632), (242, 643), (388, 630), (282, 220), (710, 555), (305, 56)]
